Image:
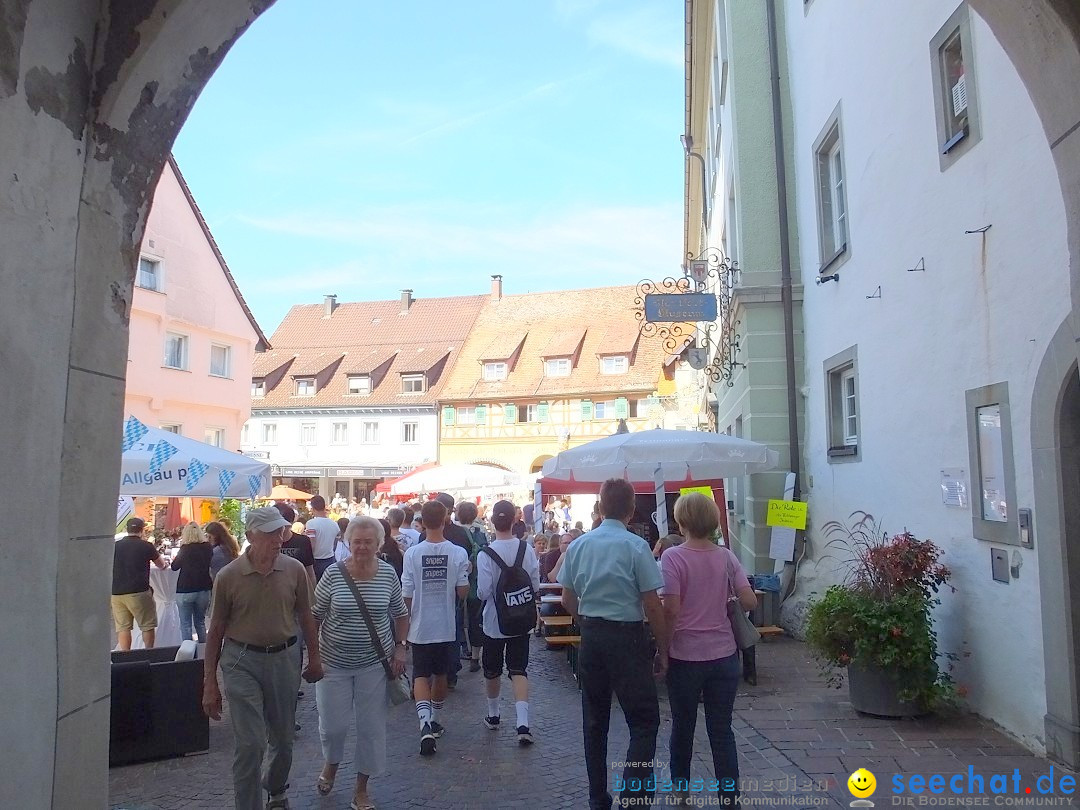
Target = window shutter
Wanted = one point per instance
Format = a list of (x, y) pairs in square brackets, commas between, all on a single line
[(586, 410), (542, 412), (448, 414), (481, 414), (510, 414), (622, 408)]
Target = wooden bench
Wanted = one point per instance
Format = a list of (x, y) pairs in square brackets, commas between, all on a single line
[(557, 621), (770, 630), (562, 641)]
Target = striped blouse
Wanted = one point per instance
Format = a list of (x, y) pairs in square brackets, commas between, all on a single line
[(344, 640)]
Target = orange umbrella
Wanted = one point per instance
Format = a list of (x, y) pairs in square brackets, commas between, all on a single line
[(284, 493)]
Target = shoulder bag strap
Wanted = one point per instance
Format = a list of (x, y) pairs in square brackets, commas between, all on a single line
[(495, 556), (367, 617)]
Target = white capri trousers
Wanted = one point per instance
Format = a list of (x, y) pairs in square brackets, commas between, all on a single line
[(363, 691)]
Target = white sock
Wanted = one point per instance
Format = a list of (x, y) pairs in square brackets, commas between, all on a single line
[(436, 710), (423, 711), (522, 707), (493, 707)]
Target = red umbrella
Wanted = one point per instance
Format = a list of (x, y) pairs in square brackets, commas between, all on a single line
[(174, 518), (385, 485)]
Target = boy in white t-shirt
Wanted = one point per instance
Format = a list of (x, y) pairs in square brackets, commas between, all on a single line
[(435, 575)]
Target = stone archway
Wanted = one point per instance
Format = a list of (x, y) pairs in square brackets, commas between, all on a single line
[(1055, 448), (92, 95)]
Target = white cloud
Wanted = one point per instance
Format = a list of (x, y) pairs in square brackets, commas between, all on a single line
[(644, 32), (571, 248), (648, 31)]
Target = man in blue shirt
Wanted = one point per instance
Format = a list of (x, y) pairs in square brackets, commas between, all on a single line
[(610, 582)]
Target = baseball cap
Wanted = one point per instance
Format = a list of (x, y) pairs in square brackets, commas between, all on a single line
[(446, 499), (136, 525), (265, 519), (503, 509)]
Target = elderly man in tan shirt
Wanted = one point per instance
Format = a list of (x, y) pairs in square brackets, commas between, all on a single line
[(257, 600)]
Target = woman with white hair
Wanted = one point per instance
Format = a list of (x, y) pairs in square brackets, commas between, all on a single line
[(355, 678)]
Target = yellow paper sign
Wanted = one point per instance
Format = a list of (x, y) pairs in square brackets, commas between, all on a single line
[(786, 514), (706, 491)]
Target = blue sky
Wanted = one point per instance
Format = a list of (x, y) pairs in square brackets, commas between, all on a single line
[(358, 147)]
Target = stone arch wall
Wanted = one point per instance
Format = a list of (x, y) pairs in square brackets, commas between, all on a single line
[(92, 95), (1057, 541)]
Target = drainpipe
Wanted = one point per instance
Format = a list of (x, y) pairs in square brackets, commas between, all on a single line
[(785, 247), (688, 145)]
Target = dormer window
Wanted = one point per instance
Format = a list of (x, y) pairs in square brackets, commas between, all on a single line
[(305, 387), (557, 367), (615, 364), (494, 371), (258, 388), (359, 384), (412, 384)]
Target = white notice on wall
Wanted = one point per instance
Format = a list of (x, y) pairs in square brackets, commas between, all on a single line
[(782, 540), (954, 487)]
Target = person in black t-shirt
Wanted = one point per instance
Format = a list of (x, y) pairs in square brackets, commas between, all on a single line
[(298, 546), (132, 600)]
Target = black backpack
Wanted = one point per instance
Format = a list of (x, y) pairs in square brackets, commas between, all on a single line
[(515, 600)]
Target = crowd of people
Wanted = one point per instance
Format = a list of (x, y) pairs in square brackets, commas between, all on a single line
[(350, 605)]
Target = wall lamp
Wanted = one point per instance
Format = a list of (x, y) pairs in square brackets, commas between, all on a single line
[(688, 147), (822, 279)]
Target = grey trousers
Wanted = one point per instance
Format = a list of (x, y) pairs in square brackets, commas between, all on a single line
[(261, 691)]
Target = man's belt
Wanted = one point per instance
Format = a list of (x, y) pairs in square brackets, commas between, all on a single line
[(599, 621), (265, 648)]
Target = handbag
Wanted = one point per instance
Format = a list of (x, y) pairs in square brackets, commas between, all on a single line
[(746, 635), (399, 689)]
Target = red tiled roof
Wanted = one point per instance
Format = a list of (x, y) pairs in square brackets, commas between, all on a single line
[(564, 344), (266, 363), (412, 341), (618, 339), (311, 363), (503, 346), (605, 315), (422, 359), (364, 360)]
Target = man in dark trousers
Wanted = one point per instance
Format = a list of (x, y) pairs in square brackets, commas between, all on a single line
[(610, 583)]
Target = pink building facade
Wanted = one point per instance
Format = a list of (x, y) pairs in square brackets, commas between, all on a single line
[(193, 338)]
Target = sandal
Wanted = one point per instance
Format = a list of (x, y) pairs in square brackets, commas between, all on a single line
[(324, 785)]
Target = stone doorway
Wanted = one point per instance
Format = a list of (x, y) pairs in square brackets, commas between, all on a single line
[(92, 96)]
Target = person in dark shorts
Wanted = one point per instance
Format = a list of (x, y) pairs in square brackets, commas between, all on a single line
[(434, 577), (497, 645)]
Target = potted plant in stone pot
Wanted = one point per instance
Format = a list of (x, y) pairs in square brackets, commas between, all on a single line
[(878, 623)]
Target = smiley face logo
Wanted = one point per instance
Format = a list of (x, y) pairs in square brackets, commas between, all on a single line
[(862, 783)]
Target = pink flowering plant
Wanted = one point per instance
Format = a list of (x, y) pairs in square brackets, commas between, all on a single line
[(881, 615)]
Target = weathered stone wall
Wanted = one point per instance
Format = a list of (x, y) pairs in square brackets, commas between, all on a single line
[(89, 108)]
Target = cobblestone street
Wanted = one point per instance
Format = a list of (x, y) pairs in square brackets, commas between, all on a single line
[(788, 726)]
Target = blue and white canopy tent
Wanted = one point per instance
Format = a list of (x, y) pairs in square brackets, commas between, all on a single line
[(157, 463)]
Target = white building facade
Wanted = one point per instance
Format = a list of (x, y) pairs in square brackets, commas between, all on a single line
[(934, 258), (345, 449)]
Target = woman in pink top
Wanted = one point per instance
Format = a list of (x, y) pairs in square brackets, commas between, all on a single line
[(699, 579)]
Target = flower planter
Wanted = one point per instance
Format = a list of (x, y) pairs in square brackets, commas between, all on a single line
[(875, 691)]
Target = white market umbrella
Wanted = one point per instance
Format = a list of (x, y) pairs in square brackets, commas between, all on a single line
[(158, 463), (680, 454), (455, 478)]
